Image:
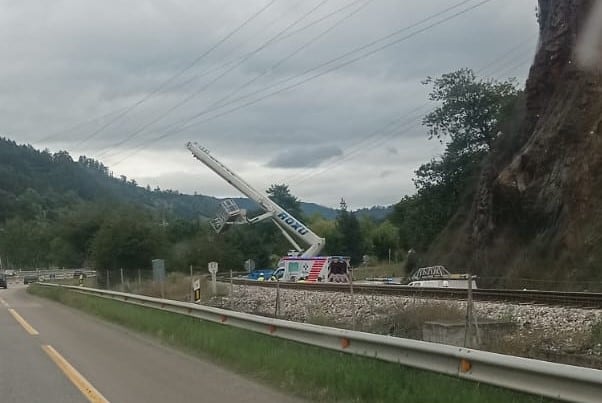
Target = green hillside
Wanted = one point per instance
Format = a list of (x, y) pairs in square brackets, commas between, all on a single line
[(59, 212)]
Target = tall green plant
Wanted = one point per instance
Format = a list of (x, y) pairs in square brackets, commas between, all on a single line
[(468, 119)]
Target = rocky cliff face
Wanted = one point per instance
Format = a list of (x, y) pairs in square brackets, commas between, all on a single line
[(542, 205)]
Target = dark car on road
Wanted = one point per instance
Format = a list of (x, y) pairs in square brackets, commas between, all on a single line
[(3, 283), (77, 273), (30, 278)]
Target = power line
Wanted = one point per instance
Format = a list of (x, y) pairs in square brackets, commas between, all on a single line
[(406, 123), (281, 38), (165, 83), (390, 130), (367, 143), (312, 77), (334, 60), (343, 56), (364, 144), (77, 125), (214, 80), (505, 69), (522, 44), (219, 103), (295, 52)]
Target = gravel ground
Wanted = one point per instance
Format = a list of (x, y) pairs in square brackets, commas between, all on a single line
[(547, 328)]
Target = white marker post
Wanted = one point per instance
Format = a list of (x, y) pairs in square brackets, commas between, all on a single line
[(213, 271), (196, 287)]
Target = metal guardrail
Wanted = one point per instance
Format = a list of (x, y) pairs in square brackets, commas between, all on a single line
[(559, 381), (55, 273)]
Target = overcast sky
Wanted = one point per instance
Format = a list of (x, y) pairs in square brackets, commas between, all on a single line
[(130, 82)]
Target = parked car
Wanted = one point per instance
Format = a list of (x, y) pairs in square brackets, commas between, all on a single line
[(255, 274), (77, 273), (3, 283), (30, 278)]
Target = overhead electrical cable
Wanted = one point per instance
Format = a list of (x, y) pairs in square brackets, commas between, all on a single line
[(321, 73), (366, 143), (527, 42), (371, 141), (331, 61), (184, 101), (77, 125), (281, 38), (177, 75), (217, 104)]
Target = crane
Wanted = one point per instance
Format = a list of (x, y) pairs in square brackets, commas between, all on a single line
[(290, 226)]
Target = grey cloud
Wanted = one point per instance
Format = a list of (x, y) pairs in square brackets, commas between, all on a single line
[(304, 157)]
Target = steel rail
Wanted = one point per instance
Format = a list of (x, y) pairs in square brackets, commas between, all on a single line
[(558, 381), (571, 298)]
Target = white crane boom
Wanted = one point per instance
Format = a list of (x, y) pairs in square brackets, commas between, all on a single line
[(283, 219)]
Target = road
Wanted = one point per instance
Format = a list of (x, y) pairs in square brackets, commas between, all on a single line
[(53, 353)]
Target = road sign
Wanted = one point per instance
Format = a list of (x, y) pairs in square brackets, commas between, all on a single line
[(158, 269), (249, 265), (213, 271), (196, 286)]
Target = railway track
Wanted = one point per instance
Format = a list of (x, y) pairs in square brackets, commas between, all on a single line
[(574, 299)]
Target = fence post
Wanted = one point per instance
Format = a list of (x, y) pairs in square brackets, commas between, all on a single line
[(108, 281), (353, 319), (277, 309)]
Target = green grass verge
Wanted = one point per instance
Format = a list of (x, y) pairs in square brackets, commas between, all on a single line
[(381, 270), (310, 372)]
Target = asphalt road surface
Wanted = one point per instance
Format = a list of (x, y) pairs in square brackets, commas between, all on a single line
[(53, 353)]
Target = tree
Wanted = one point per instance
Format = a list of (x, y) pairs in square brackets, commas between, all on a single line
[(350, 240), (128, 240), (385, 240), (281, 195), (469, 118), (470, 110), (25, 243)]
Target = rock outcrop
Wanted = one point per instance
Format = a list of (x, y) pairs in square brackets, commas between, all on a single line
[(537, 210)]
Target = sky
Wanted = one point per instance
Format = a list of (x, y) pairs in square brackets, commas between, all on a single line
[(325, 96)]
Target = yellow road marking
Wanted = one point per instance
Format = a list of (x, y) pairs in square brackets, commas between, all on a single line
[(3, 302), (23, 323), (74, 376)]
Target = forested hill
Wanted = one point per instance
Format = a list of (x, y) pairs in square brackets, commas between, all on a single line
[(39, 180), (33, 179)]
